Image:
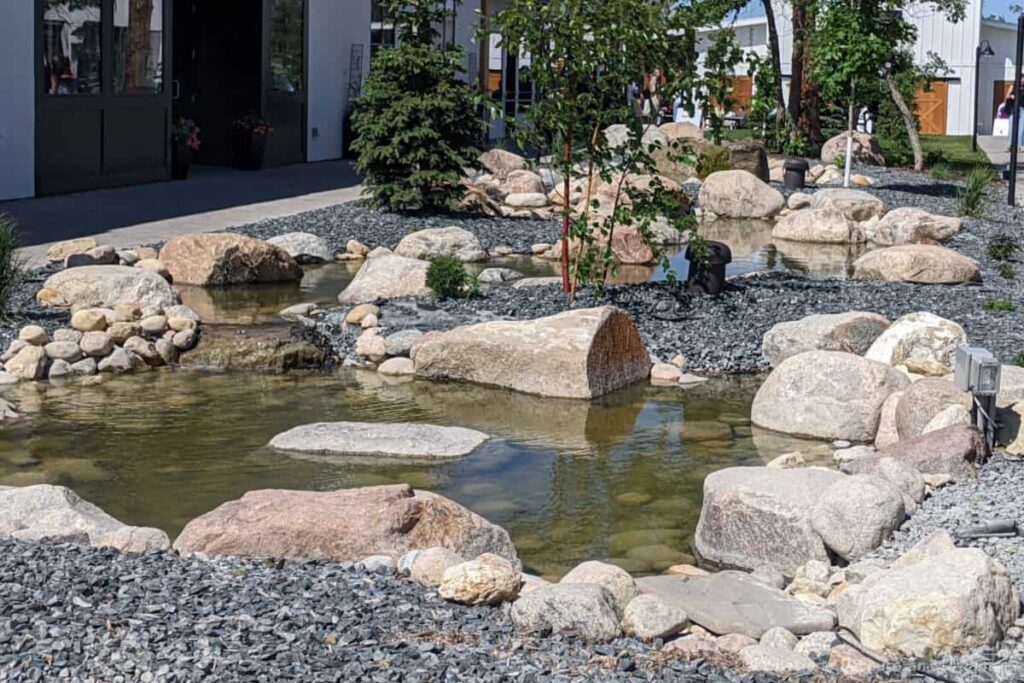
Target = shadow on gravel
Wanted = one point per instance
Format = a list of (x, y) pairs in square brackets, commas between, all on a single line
[(945, 191)]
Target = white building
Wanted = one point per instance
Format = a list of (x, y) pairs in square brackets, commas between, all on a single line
[(89, 89), (949, 108)]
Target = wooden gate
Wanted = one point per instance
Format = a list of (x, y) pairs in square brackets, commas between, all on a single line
[(931, 108)]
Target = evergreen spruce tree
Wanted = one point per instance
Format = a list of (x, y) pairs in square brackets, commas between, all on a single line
[(416, 125)]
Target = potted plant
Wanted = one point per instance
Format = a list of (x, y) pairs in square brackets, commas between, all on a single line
[(251, 133), (186, 143)]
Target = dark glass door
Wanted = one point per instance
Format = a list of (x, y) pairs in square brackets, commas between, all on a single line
[(285, 79), (103, 104)]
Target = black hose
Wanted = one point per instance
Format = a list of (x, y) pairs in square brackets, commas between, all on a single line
[(878, 660)]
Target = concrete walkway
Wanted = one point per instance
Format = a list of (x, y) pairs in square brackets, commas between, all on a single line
[(997, 149), (212, 199)]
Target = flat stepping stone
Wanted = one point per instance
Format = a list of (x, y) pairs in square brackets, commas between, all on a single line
[(402, 440), (733, 602)]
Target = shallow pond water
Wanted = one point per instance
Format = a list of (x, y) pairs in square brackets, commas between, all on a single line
[(620, 477)]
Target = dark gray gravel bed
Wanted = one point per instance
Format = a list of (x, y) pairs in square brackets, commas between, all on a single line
[(338, 224), (724, 334), (71, 613), (715, 334)]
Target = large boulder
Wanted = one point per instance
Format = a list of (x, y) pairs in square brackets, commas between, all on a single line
[(852, 332), (757, 516), (577, 354), (385, 439), (937, 599), (675, 160), (57, 514), (910, 225), (866, 149), (856, 205), (523, 182), (618, 136), (739, 194), (953, 451), (920, 338), (731, 602), (749, 156), (681, 131), (827, 226), (488, 580), (923, 401), (304, 247), (106, 286), (616, 579), (920, 263), (855, 514), (386, 276), (500, 163), (649, 617), (826, 395), (433, 242), (222, 258), (583, 608), (272, 347), (345, 525)]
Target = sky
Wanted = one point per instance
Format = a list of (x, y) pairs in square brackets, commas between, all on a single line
[(1000, 8)]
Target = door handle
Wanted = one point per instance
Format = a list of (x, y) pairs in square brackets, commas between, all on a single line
[(175, 89)]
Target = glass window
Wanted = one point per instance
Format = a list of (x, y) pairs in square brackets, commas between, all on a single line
[(382, 29), (71, 47), (287, 34), (138, 46)]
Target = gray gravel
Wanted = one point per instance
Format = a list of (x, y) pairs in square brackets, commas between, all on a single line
[(338, 224), (723, 334), (71, 613)]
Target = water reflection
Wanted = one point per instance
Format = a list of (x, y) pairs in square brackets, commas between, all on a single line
[(616, 478)]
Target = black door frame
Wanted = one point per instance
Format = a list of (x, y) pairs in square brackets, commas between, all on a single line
[(104, 102)]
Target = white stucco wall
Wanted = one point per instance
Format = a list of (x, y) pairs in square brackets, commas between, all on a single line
[(334, 27), (17, 100)]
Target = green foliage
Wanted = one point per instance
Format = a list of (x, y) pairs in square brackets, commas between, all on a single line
[(447, 278), (891, 129), (839, 161), (1019, 360), (1003, 247), (12, 265), (583, 57), (417, 124), (716, 86), (1006, 271), (970, 199), (713, 158), (1000, 305), (941, 172), (762, 118)]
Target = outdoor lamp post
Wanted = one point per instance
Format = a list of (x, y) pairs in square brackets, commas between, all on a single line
[(983, 50)]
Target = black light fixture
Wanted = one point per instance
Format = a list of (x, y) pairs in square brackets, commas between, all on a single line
[(983, 50)]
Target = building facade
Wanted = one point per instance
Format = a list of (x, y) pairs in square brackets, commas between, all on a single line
[(90, 89), (948, 108)]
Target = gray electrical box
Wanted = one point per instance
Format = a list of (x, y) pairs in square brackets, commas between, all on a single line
[(977, 371)]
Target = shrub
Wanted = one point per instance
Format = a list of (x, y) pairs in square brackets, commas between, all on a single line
[(416, 125), (840, 162), (999, 305), (1019, 360), (1003, 247), (941, 171), (711, 159), (970, 198), (1007, 272), (12, 265), (448, 279)]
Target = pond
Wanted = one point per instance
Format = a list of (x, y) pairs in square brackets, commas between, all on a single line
[(620, 477), (753, 249)]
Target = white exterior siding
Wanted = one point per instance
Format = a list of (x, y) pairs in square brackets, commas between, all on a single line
[(334, 27), (1003, 40), (17, 100)]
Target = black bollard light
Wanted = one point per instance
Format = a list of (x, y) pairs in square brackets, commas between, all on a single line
[(795, 175), (709, 279)]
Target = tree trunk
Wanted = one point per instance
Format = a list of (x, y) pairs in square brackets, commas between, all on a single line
[(137, 66), (567, 159), (804, 103), (774, 50), (908, 120), (800, 37)]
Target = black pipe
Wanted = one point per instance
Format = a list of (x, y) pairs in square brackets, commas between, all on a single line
[(1015, 124)]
